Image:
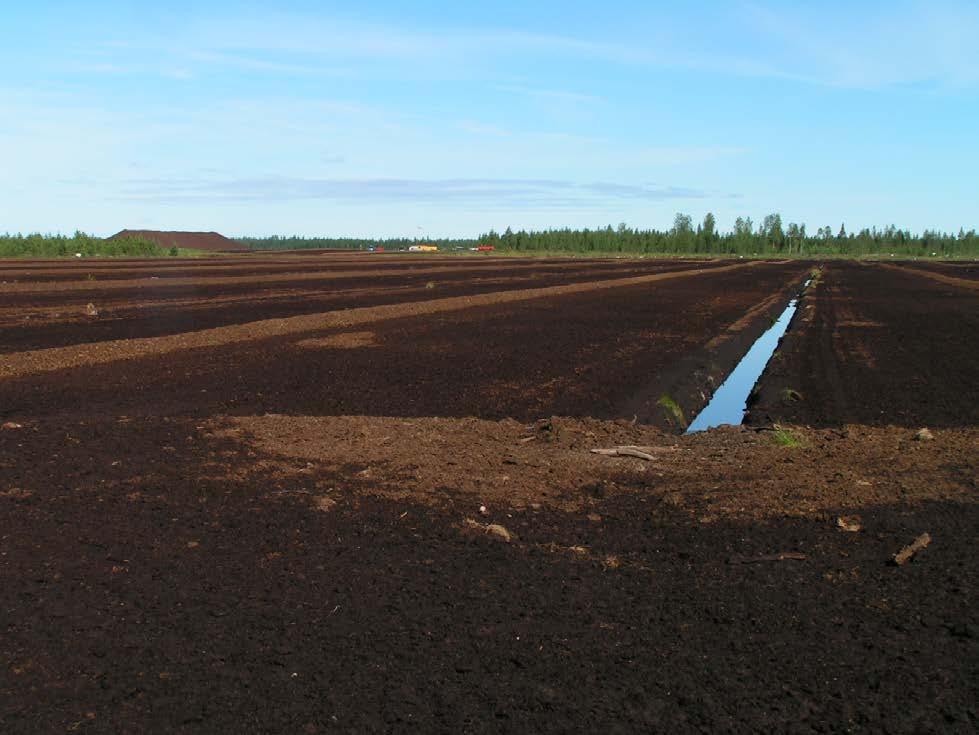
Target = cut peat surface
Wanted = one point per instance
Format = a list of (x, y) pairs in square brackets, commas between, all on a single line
[(162, 574), (281, 524), (580, 350), (877, 345), (49, 317)]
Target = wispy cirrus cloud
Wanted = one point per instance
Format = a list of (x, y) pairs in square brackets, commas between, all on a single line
[(551, 95), (481, 192), (900, 43), (249, 63), (905, 43), (895, 44)]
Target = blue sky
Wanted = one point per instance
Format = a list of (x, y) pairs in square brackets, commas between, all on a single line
[(442, 119)]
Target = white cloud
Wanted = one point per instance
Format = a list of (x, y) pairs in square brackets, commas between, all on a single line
[(495, 193), (872, 46), (553, 95), (179, 73), (902, 43)]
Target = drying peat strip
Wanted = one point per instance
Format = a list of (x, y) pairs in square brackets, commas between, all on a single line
[(297, 274), (940, 278), (168, 293), (58, 358)]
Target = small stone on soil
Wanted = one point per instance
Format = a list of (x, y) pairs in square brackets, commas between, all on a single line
[(325, 504)]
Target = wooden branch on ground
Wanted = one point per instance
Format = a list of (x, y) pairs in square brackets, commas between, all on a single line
[(904, 555), (646, 453)]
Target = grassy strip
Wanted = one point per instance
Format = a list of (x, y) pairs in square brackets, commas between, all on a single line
[(785, 437)]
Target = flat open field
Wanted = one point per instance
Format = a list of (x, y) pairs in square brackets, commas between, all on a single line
[(44, 303), (255, 494), (880, 345)]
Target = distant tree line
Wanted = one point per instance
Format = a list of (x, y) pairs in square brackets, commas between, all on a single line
[(57, 246), (769, 237)]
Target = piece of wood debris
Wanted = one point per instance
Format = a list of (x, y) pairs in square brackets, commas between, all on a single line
[(850, 524), (907, 553), (493, 529), (611, 562), (640, 452), (781, 556)]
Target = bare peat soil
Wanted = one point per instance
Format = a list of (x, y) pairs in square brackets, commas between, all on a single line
[(390, 519), (41, 314), (584, 354), (877, 345), (167, 575), (956, 269), (25, 271)]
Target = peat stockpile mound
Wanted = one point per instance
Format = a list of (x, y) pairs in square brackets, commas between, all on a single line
[(210, 241)]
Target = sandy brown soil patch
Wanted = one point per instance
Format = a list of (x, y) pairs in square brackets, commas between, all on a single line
[(746, 321), (728, 472), (501, 463), (342, 341)]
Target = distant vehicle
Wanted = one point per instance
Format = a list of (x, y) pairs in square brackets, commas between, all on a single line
[(423, 249), (485, 248)]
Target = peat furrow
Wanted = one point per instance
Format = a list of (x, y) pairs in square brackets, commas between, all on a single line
[(33, 326), (879, 345), (577, 350)]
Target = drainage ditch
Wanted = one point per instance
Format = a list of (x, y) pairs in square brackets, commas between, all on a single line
[(730, 401)]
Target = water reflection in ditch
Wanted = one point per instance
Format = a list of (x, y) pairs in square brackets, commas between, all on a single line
[(730, 401)]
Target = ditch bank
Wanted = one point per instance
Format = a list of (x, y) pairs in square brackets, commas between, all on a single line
[(681, 392), (879, 346)]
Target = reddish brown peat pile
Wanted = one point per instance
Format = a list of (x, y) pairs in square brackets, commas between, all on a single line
[(206, 241), (283, 524)]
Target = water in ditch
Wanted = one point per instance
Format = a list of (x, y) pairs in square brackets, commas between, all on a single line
[(730, 401)]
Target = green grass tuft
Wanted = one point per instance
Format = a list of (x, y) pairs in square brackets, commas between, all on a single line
[(785, 438), (791, 396), (672, 410)]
